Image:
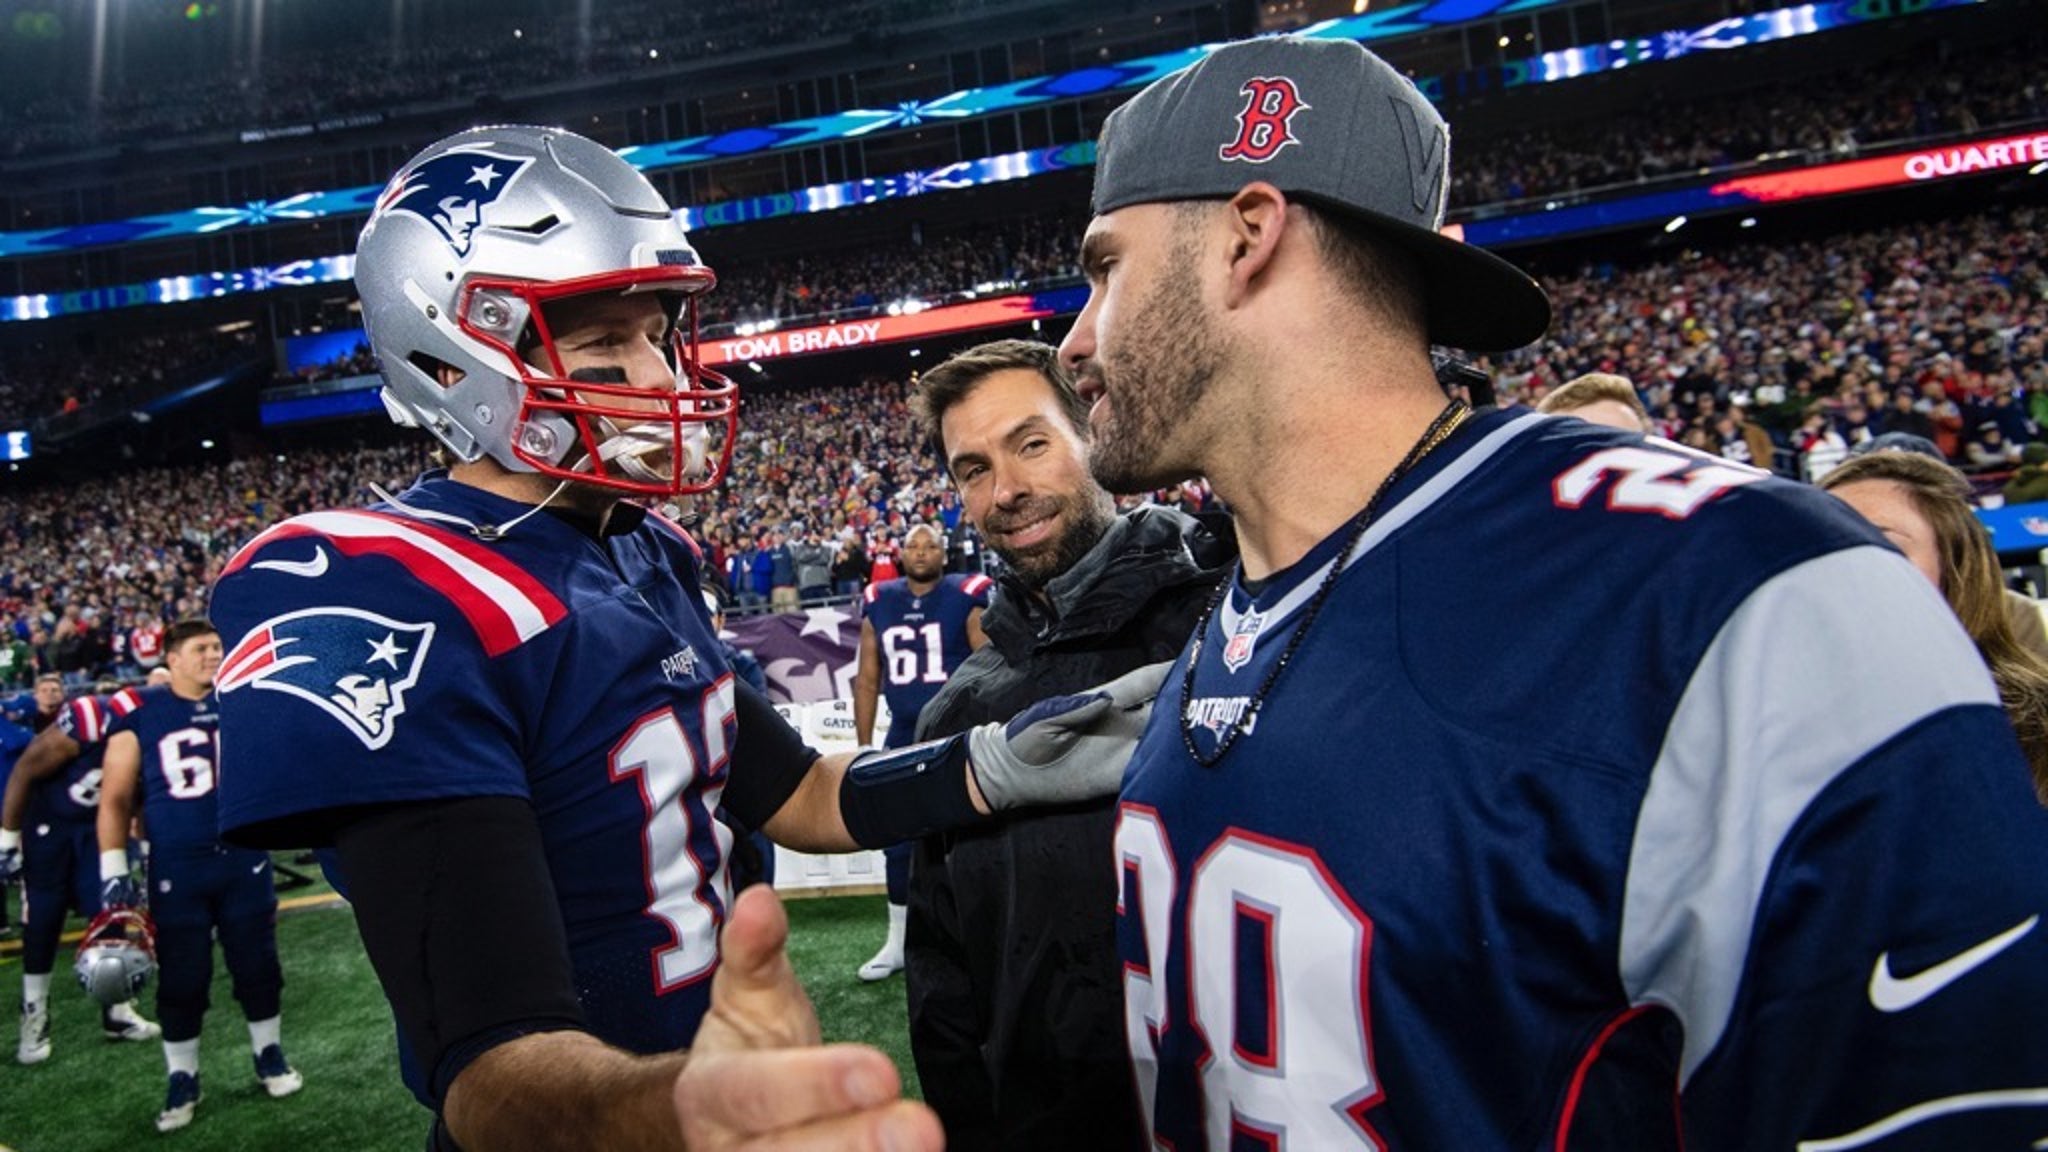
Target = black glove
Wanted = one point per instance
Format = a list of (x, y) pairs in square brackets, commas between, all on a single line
[(120, 892)]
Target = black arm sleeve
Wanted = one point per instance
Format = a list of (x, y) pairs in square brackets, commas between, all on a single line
[(457, 910), (769, 759), (903, 793)]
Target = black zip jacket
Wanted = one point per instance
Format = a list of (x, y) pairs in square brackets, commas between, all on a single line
[(1016, 991)]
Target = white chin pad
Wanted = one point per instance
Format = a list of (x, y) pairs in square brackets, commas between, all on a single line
[(630, 448)]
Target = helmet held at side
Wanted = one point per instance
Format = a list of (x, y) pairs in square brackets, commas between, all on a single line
[(117, 956), (466, 249)]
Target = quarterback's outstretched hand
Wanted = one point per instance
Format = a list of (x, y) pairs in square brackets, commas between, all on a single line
[(756, 1079), (1067, 748)]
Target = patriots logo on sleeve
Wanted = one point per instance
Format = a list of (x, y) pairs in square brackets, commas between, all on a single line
[(356, 666), (451, 192)]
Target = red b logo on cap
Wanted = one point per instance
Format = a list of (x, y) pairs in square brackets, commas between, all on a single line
[(1262, 128)]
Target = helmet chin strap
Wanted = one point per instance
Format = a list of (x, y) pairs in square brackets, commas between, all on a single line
[(497, 531), (480, 531)]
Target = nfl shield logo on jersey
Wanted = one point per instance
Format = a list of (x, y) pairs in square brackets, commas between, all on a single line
[(1239, 649), (355, 666)]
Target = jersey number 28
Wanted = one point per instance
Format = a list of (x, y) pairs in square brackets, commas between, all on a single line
[(1277, 960)]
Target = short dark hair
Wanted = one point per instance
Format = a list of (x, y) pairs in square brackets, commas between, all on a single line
[(1378, 273), (949, 383), (191, 626)]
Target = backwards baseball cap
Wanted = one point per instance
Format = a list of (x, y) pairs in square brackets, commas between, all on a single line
[(1334, 125), (1899, 442)]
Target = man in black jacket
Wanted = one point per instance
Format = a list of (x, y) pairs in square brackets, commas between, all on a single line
[(1016, 993)]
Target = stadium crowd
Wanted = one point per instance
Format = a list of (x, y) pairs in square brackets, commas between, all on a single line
[(1771, 351), (37, 383), (1037, 249), (1811, 118), (1784, 354), (86, 565), (1780, 353), (1808, 121), (1857, 108), (164, 96)]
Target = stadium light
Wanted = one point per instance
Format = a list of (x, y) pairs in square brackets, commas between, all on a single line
[(1749, 221), (1677, 222)]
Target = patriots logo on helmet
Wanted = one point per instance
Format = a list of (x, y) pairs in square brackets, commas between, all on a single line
[(356, 666), (452, 190), (117, 955)]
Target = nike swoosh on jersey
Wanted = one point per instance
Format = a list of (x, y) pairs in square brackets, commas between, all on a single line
[(1889, 993), (317, 566)]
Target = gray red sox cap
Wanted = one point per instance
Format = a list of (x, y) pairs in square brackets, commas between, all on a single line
[(1336, 126)]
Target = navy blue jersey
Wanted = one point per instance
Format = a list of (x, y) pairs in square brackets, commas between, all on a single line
[(382, 655), (21, 709), (921, 639), (13, 739), (180, 744), (73, 795), (1615, 796)]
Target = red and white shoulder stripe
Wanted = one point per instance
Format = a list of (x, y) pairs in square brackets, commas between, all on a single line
[(88, 720), (976, 585), (504, 603), (90, 717)]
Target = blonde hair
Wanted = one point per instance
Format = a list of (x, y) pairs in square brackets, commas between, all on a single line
[(1972, 583), (1592, 388)]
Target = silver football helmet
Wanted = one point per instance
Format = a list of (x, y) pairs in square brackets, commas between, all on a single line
[(466, 247), (117, 956)]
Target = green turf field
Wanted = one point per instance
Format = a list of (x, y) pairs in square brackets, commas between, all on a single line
[(93, 1095)]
